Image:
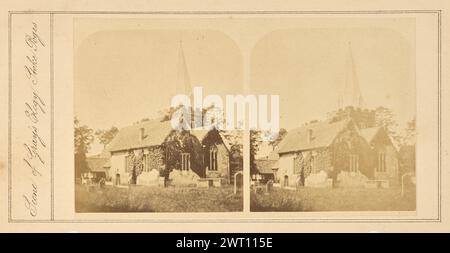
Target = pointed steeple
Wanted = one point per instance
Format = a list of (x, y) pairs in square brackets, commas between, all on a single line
[(183, 85), (350, 94)]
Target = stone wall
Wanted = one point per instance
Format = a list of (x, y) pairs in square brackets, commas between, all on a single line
[(153, 162), (222, 164), (286, 170), (392, 166), (118, 167), (154, 159)]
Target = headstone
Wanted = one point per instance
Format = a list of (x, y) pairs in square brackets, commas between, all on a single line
[(269, 186), (162, 182)]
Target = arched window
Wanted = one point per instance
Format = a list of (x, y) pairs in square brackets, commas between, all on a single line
[(381, 162), (185, 161), (213, 158), (354, 163)]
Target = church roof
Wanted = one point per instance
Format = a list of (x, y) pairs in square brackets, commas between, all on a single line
[(97, 164), (323, 135), (369, 133), (264, 166), (155, 132), (231, 138), (200, 134), (127, 138)]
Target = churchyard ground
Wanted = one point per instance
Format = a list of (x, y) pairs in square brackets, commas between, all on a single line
[(336, 199), (157, 199)]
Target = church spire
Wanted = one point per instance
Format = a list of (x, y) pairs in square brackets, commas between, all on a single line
[(350, 94), (183, 85)]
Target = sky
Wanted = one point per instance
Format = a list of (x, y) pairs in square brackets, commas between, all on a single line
[(308, 69), (124, 76), (129, 69)]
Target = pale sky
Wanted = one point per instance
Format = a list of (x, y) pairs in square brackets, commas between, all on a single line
[(124, 76), (128, 69), (308, 68)]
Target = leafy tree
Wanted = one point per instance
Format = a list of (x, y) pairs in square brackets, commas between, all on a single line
[(407, 151), (83, 138), (172, 146), (281, 134), (236, 162), (410, 132), (135, 165), (106, 136), (196, 120), (255, 141), (179, 142), (234, 141), (166, 114), (384, 117)]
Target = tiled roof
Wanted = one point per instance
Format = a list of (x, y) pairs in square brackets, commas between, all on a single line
[(274, 154), (200, 134), (155, 133), (231, 138), (369, 133), (97, 164), (323, 135), (265, 166)]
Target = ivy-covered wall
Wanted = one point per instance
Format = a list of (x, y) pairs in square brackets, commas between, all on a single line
[(183, 142), (350, 143), (167, 157)]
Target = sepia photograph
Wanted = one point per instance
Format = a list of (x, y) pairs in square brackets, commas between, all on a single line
[(226, 117), (347, 119), (338, 101), (128, 156)]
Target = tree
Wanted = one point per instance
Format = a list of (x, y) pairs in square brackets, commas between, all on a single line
[(410, 133), (196, 120), (281, 134), (179, 142), (83, 137), (256, 138), (384, 117), (106, 136), (255, 141), (172, 147), (407, 151), (166, 114), (136, 165), (234, 141)]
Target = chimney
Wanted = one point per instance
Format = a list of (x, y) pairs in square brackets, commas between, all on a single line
[(310, 135), (141, 134)]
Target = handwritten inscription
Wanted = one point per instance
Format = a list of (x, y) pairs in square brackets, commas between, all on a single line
[(35, 108)]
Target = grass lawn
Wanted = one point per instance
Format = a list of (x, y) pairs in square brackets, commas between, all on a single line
[(157, 199), (337, 199)]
